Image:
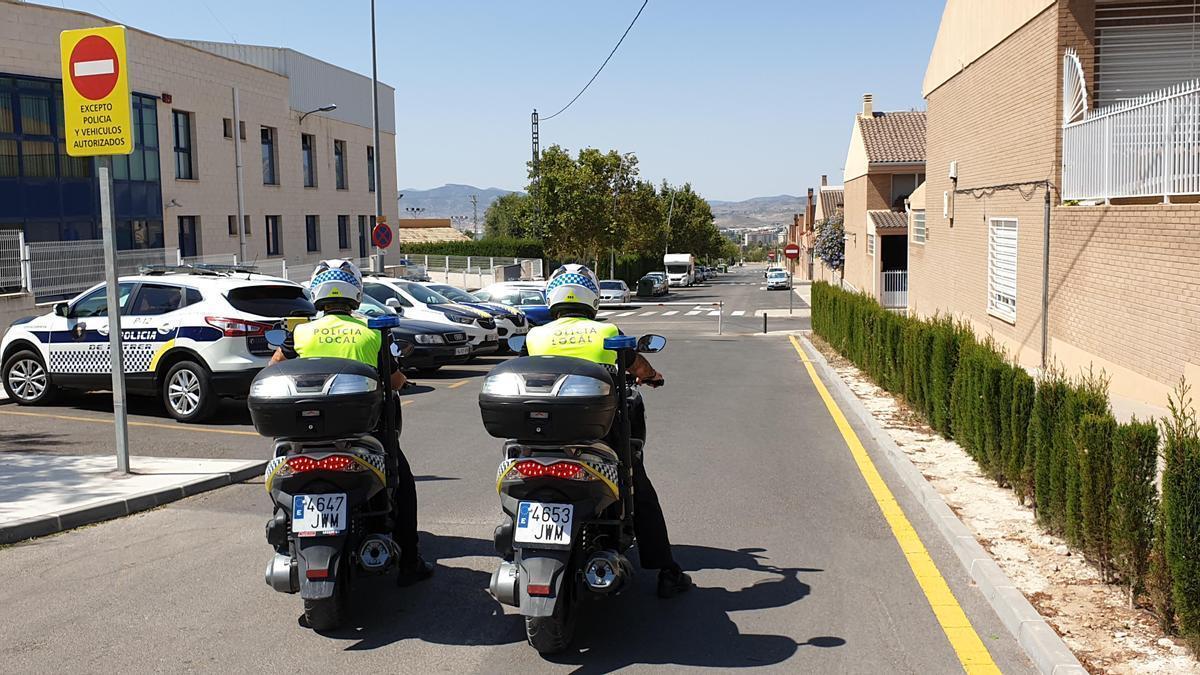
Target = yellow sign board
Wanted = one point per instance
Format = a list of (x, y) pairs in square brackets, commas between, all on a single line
[(96, 92)]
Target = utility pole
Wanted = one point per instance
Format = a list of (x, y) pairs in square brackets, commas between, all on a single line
[(667, 244), (379, 217), (537, 156), (475, 213), (237, 165)]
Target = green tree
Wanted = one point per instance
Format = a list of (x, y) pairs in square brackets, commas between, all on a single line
[(511, 216)]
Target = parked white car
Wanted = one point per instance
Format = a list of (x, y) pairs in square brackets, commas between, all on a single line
[(778, 279), (510, 321), (614, 291), (420, 302), (190, 337)]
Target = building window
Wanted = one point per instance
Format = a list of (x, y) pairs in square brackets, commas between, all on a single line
[(370, 169), (870, 244), (272, 235), (364, 234), (268, 157), (139, 233), (343, 232), (308, 156), (228, 128), (339, 163), (233, 226), (903, 185), (1002, 268), (918, 226), (312, 233), (184, 168)]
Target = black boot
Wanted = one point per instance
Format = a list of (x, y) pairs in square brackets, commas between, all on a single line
[(672, 581), (413, 571)]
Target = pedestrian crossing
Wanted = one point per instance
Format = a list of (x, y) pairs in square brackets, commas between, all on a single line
[(697, 311)]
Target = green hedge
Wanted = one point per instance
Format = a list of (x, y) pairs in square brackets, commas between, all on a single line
[(505, 247), (1054, 440)]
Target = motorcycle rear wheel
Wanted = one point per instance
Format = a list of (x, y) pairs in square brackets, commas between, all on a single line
[(326, 614), (553, 634)]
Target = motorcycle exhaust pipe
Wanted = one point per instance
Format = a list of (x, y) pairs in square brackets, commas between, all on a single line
[(504, 584), (607, 572), (281, 574), (376, 553)]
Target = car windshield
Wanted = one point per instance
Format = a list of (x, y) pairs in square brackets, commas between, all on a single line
[(424, 294), (455, 294), (611, 285), (271, 300), (677, 269), (778, 275), (372, 307), (514, 296)]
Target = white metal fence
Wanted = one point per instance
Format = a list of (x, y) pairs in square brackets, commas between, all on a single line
[(895, 289), (11, 243), (1147, 146), (57, 269)]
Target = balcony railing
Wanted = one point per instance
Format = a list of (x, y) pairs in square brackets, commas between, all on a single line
[(1144, 147), (895, 289)]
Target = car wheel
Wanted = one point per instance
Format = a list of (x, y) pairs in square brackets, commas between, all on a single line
[(187, 392), (26, 380)]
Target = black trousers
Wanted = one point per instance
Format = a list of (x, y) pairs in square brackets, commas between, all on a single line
[(404, 499), (654, 544)]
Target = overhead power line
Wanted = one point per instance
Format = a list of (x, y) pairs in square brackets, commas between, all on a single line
[(610, 55)]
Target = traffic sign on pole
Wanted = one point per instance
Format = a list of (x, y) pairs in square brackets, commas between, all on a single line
[(96, 112), (382, 235), (96, 116), (792, 251)]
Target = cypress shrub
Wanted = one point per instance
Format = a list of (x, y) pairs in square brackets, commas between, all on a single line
[(1159, 585), (943, 362), (1134, 502), (1048, 402), (1019, 460), (1095, 440), (1181, 500)]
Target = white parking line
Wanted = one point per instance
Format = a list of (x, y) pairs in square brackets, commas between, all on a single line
[(648, 313), (626, 314), (740, 312), (715, 312), (670, 313), (601, 314), (694, 312)]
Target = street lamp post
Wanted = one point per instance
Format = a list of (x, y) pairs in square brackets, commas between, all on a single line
[(415, 211), (324, 108), (379, 259)]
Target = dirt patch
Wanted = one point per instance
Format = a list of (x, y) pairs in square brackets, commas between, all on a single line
[(1093, 618)]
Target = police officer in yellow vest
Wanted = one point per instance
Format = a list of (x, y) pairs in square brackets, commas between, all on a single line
[(573, 294), (337, 288)]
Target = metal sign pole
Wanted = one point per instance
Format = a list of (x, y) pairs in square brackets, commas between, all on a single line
[(116, 355), (237, 166)]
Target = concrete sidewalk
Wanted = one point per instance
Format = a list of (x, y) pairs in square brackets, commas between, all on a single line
[(45, 493)]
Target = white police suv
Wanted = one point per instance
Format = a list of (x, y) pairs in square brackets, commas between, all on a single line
[(191, 336)]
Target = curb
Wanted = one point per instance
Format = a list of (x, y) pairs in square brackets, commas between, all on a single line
[(41, 526), (1041, 643)]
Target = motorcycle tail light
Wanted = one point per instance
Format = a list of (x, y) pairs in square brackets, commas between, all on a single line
[(562, 470), (303, 464)]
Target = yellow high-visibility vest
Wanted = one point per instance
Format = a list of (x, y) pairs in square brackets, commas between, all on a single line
[(338, 336), (573, 336)]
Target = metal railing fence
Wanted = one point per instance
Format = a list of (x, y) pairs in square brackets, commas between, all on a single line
[(895, 289), (1147, 146), (11, 244), (62, 268)]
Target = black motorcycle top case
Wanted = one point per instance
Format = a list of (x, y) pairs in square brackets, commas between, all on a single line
[(539, 414), (311, 411)]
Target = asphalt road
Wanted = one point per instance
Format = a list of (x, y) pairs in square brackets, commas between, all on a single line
[(796, 568)]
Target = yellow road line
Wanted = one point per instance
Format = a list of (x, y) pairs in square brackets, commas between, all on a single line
[(406, 401), (156, 425), (458, 384), (972, 653)]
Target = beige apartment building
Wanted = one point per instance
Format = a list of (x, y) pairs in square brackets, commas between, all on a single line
[(1092, 103), (309, 189), (884, 165)]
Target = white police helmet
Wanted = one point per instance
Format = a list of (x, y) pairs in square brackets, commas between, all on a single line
[(336, 281), (573, 288)]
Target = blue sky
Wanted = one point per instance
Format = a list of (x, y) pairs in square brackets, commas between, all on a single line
[(741, 98)]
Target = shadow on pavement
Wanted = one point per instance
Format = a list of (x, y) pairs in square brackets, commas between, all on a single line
[(230, 412), (23, 442), (694, 629)]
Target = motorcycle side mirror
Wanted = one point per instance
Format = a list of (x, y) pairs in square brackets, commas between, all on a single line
[(650, 344), (516, 343), (276, 337), (402, 349)]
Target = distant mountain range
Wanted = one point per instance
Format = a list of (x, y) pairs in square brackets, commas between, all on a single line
[(756, 212), (454, 199)]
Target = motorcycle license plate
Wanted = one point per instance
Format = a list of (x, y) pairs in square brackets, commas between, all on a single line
[(318, 514), (462, 351), (541, 524)]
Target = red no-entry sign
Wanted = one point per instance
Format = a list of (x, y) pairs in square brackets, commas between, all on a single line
[(94, 67), (792, 251), (381, 236)]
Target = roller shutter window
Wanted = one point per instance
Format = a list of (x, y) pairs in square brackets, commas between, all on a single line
[(1143, 47), (1002, 268)]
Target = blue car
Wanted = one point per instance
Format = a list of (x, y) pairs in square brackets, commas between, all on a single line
[(526, 296)]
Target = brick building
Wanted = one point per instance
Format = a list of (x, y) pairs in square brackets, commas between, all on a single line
[(1073, 98), (885, 163)]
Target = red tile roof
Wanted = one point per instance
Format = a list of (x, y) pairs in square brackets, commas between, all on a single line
[(883, 219), (894, 136)]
